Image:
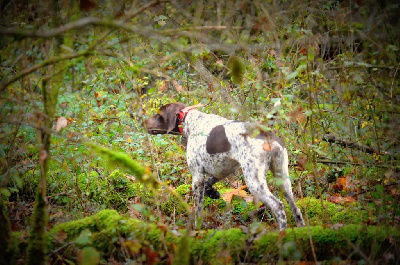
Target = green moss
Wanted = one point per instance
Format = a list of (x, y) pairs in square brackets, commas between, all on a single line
[(37, 247), (236, 69), (182, 254), (329, 243), (208, 246), (329, 213), (172, 205), (108, 229), (183, 189), (94, 223), (113, 191)]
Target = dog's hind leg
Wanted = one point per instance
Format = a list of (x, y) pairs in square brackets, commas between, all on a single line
[(198, 193), (254, 171), (209, 190), (280, 169)]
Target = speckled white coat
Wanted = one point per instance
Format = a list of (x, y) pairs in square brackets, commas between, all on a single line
[(238, 150)]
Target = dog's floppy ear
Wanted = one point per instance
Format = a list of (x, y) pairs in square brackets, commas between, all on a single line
[(170, 114)]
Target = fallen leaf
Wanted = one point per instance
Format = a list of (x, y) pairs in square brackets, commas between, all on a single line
[(151, 255), (342, 183), (64, 104), (301, 162), (266, 146), (88, 255), (162, 227), (335, 199), (177, 86), (61, 236), (303, 51), (61, 123), (349, 199), (297, 115), (235, 192), (163, 86)]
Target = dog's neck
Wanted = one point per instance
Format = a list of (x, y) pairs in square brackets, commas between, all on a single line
[(182, 116)]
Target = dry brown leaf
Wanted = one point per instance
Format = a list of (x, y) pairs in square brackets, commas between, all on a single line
[(349, 199), (335, 199), (177, 86), (297, 115), (61, 123), (164, 86), (61, 236)]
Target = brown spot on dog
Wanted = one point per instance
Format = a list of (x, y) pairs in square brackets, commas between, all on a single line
[(217, 142)]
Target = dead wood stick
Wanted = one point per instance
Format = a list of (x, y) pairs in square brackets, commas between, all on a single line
[(346, 143)]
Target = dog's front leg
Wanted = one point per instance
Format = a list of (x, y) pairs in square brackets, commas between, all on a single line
[(198, 193)]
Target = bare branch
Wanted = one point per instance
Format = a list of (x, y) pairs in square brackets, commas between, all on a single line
[(36, 67), (333, 139), (81, 23)]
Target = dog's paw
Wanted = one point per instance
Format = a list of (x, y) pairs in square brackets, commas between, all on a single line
[(212, 193)]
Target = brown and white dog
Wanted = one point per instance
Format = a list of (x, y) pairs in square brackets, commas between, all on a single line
[(217, 147)]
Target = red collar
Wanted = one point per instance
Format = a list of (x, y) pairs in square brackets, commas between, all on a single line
[(183, 113)]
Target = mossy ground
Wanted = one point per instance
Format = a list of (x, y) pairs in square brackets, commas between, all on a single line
[(114, 191), (317, 213), (125, 238)]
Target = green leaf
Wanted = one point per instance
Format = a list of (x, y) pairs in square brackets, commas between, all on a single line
[(84, 238), (379, 188), (90, 256), (236, 69), (308, 112), (292, 75), (5, 192)]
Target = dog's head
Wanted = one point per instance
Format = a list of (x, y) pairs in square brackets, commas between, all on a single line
[(166, 119)]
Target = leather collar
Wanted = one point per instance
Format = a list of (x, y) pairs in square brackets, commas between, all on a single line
[(183, 113)]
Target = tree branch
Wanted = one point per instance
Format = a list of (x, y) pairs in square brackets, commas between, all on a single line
[(81, 23), (4, 83), (342, 142)]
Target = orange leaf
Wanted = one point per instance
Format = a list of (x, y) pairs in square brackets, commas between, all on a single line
[(335, 199), (64, 104), (151, 255), (303, 51), (227, 196), (266, 146), (342, 182), (348, 199)]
